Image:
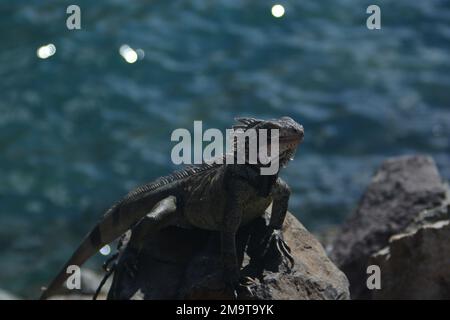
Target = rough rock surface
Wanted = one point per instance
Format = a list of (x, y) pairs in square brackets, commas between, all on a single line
[(185, 264), (416, 264), (400, 190)]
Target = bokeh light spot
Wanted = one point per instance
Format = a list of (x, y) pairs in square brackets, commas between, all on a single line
[(46, 51), (129, 54), (105, 250), (278, 11)]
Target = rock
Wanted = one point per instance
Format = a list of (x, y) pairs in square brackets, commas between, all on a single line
[(314, 275), (5, 295), (400, 190), (185, 264), (416, 264)]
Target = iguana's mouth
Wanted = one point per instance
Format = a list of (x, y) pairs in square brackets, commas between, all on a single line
[(290, 142), (288, 145)]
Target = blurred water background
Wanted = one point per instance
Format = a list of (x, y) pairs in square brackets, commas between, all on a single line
[(81, 128)]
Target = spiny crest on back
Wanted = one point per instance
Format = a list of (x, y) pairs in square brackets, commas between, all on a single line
[(187, 171), (246, 123)]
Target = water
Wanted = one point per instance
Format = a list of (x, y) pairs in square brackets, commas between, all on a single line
[(80, 129)]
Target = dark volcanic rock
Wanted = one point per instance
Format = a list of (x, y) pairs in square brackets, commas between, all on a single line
[(185, 264), (416, 263), (401, 189)]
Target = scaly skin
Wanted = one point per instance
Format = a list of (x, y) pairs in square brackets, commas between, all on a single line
[(218, 197)]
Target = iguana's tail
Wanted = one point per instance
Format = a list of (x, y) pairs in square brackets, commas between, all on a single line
[(79, 257), (116, 222)]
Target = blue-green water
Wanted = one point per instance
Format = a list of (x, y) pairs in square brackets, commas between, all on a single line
[(78, 130)]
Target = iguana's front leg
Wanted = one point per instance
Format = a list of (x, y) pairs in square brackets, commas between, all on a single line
[(280, 194), (231, 221), (273, 239)]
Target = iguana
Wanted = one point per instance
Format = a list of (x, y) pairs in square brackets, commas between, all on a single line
[(211, 196)]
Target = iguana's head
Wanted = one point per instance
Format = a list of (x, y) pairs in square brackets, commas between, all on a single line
[(290, 134)]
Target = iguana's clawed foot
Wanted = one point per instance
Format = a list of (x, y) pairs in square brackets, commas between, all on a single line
[(248, 281), (276, 240), (246, 285)]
